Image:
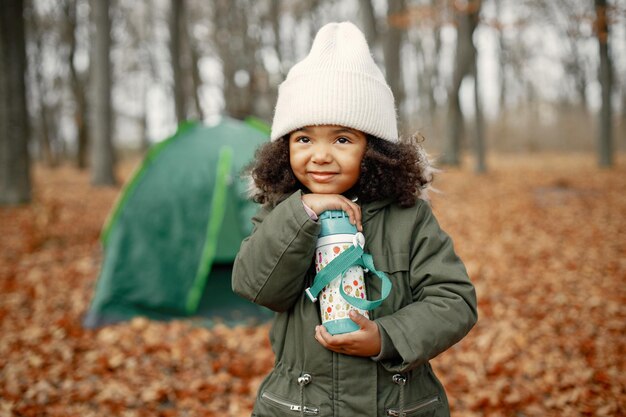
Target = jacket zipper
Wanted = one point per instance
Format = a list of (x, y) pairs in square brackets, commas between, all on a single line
[(293, 407), (411, 409)]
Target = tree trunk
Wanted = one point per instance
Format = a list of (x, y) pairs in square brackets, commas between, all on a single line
[(479, 145), (15, 184), (144, 36), (455, 127), (605, 139), (196, 84), (435, 76), (275, 13), (467, 20), (368, 17), (236, 54), (80, 118), (578, 72), (193, 55), (624, 91), (145, 142), (392, 46), (502, 60), (228, 45), (78, 87), (428, 67), (47, 154), (176, 13), (43, 128), (272, 89), (102, 156)]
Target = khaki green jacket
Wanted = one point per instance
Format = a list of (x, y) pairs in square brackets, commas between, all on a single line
[(432, 305)]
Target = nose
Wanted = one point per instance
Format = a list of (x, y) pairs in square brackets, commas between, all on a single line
[(321, 154)]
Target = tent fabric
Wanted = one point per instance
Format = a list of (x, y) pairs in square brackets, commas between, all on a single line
[(170, 242)]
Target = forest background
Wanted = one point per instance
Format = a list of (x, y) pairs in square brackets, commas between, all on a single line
[(469, 75), (521, 102)]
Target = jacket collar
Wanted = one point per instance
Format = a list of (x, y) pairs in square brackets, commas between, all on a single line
[(369, 210)]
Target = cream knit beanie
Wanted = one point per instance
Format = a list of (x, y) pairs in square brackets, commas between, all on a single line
[(338, 83)]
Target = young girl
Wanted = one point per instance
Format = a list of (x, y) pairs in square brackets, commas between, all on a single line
[(335, 146)]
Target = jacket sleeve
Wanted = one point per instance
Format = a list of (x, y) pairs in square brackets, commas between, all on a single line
[(272, 262), (444, 300)]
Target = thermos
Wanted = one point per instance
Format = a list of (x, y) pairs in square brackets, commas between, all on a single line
[(338, 235)]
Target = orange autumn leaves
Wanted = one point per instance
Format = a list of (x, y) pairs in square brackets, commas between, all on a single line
[(542, 238)]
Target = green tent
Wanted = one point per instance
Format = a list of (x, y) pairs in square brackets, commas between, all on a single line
[(171, 239)]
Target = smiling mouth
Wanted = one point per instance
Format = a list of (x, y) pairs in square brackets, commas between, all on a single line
[(322, 176)]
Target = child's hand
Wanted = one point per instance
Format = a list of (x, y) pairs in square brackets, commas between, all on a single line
[(363, 342), (319, 203)]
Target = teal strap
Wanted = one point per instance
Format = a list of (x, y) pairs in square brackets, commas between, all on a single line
[(353, 256), (367, 261), (336, 267)]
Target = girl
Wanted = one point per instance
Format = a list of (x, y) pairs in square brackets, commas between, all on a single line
[(335, 146)]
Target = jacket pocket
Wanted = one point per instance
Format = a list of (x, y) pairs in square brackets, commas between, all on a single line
[(288, 406), (416, 408)]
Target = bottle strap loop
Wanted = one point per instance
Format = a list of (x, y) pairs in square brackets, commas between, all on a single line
[(336, 267), (367, 262), (353, 256)]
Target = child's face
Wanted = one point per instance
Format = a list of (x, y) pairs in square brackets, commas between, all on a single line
[(327, 159)]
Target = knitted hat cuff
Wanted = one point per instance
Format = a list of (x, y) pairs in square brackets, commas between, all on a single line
[(338, 83), (345, 98)]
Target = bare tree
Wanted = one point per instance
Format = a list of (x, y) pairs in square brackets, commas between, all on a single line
[(623, 87), (426, 37), (368, 17), (605, 133), (502, 57), (467, 19), (176, 15), (140, 24), (45, 84), (479, 132), (46, 130), (392, 47), (185, 56), (102, 155), (229, 27), (78, 83), (15, 185), (567, 16), (235, 45), (193, 60)]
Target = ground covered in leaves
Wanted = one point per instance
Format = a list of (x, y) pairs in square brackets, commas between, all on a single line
[(543, 238)]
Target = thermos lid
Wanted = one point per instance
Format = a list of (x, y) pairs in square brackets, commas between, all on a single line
[(336, 222)]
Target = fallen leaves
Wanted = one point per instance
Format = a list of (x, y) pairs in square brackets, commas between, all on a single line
[(544, 244), (542, 238)]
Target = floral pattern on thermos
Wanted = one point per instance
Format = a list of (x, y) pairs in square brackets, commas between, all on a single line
[(333, 305)]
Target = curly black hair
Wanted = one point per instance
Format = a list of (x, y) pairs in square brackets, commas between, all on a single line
[(389, 170)]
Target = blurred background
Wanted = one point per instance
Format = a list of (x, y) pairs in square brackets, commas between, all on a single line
[(471, 76), (522, 104)]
